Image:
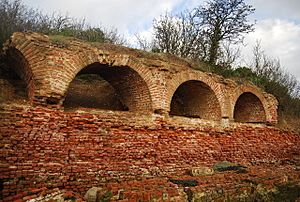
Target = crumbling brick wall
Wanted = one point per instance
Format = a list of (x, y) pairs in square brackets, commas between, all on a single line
[(77, 150), (44, 144)]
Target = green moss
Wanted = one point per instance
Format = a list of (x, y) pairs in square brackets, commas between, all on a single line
[(185, 183), (106, 196), (61, 41), (227, 166), (286, 192)]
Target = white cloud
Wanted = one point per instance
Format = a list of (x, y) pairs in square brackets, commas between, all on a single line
[(286, 9), (128, 16), (280, 39), (190, 4)]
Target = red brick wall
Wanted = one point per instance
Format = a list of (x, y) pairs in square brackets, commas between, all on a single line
[(77, 150)]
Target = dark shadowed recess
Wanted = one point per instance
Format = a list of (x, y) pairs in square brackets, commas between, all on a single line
[(109, 88), (249, 108), (195, 99), (13, 86)]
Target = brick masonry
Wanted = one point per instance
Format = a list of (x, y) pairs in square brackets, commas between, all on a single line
[(43, 145), (145, 82)]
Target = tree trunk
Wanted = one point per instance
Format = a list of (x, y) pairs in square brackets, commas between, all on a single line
[(213, 52), (214, 44)]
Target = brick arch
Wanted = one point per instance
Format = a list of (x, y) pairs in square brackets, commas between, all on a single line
[(252, 102), (204, 82), (33, 56), (130, 79), (19, 63), (249, 108)]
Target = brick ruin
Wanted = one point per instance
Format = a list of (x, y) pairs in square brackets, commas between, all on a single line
[(77, 115)]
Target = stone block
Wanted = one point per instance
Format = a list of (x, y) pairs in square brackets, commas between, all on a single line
[(201, 171), (97, 194)]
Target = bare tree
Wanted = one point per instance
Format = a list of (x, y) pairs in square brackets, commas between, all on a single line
[(166, 33), (179, 35), (228, 55), (14, 17), (144, 43), (113, 36), (201, 33), (223, 20), (271, 69)]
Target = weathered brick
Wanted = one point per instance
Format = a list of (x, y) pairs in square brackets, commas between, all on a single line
[(45, 145), (133, 82)]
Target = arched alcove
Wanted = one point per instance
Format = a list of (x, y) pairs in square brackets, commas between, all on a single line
[(15, 77), (195, 99), (249, 108), (109, 88)]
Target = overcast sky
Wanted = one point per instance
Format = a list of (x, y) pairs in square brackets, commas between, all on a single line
[(278, 21)]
